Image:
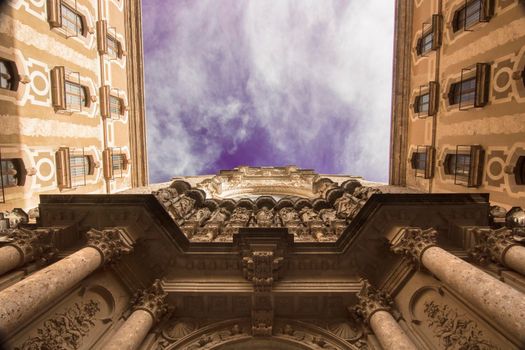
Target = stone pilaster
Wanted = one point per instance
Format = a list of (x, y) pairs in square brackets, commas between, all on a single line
[(374, 308), (414, 242), (148, 307)]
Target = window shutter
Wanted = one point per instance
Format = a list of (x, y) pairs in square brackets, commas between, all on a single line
[(15, 78), (107, 163), (58, 95), (104, 101), (487, 10), (102, 37), (437, 29), (418, 46), (416, 104), (85, 27), (477, 155), (91, 164), (433, 97), (123, 107), (455, 21), (429, 165), (413, 160), (451, 93), (54, 16), (87, 94), (482, 84), (62, 163), (125, 161), (120, 51)]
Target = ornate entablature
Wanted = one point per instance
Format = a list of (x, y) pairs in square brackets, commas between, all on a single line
[(311, 207)]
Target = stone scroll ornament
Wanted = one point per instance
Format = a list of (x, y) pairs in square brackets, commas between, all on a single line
[(492, 244), (66, 330), (109, 243), (370, 300), (152, 300), (454, 331), (414, 242)]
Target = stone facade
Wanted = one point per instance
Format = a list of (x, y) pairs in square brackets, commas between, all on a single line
[(125, 273)]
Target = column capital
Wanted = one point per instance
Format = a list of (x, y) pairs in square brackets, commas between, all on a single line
[(370, 300), (109, 243), (414, 241), (492, 244), (152, 300), (31, 244)]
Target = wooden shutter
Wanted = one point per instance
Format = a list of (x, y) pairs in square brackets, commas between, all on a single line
[(482, 84), (91, 164), (85, 27), (62, 163), (107, 163), (102, 37), (15, 77), (437, 29), (477, 155), (416, 104), (433, 97), (58, 93), (120, 51), (456, 25), (125, 161), (429, 164), (487, 10), (418, 46), (104, 101), (123, 107), (54, 15)]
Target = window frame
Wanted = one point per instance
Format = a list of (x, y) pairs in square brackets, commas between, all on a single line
[(110, 171), (78, 23), (480, 87), (432, 90), (460, 22), (66, 175), (12, 71), (434, 32), (469, 173), (20, 176), (423, 168)]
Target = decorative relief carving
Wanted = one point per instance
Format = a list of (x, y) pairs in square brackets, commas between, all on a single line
[(152, 300), (321, 219), (414, 242), (454, 331), (492, 244), (66, 330), (370, 300), (109, 243)]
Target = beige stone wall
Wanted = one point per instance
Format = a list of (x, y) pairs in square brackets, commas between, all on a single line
[(498, 127), (32, 129)]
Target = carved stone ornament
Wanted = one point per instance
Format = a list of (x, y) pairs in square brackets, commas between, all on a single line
[(65, 331), (454, 331), (109, 243), (414, 242), (370, 300), (262, 268), (492, 244), (32, 244), (152, 300)]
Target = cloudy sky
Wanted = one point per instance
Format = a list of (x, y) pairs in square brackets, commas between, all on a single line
[(266, 82)]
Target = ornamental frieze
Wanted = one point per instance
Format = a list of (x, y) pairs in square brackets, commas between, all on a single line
[(320, 217)]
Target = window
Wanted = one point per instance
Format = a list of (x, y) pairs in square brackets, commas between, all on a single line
[(431, 38), (472, 12), (107, 41), (111, 105), (422, 102), (63, 14), (115, 105), (73, 165), (67, 93), (473, 87), (12, 174), (466, 164), (115, 162), (8, 75), (422, 161), (426, 102), (519, 171), (112, 46)]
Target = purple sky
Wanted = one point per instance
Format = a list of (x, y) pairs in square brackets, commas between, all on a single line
[(260, 82)]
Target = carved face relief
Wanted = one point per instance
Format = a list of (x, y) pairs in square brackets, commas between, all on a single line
[(288, 215), (183, 206), (241, 214), (308, 214)]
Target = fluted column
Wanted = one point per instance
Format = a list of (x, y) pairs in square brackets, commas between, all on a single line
[(148, 307), (374, 308), (24, 299), (499, 246), (24, 246), (502, 303)]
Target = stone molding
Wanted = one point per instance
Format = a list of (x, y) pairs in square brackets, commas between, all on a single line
[(413, 243), (370, 301), (492, 244), (151, 300), (109, 242)]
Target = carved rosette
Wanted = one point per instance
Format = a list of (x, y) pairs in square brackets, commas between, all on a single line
[(414, 242), (492, 244), (152, 300), (109, 243), (32, 244), (370, 300)]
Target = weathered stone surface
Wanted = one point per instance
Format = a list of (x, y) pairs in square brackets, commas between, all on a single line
[(515, 258), (132, 333), (390, 334), (24, 299), (9, 259)]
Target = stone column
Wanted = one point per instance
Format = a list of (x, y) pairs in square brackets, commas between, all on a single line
[(148, 307), (374, 308), (24, 299), (23, 247), (502, 303), (499, 246)]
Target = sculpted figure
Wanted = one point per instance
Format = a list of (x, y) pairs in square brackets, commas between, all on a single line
[(241, 215), (288, 215), (183, 206), (264, 217), (328, 216), (346, 206), (308, 215), (201, 215)]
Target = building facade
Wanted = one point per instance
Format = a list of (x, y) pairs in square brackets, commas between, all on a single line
[(265, 258), (71, 99), (458, 102)]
